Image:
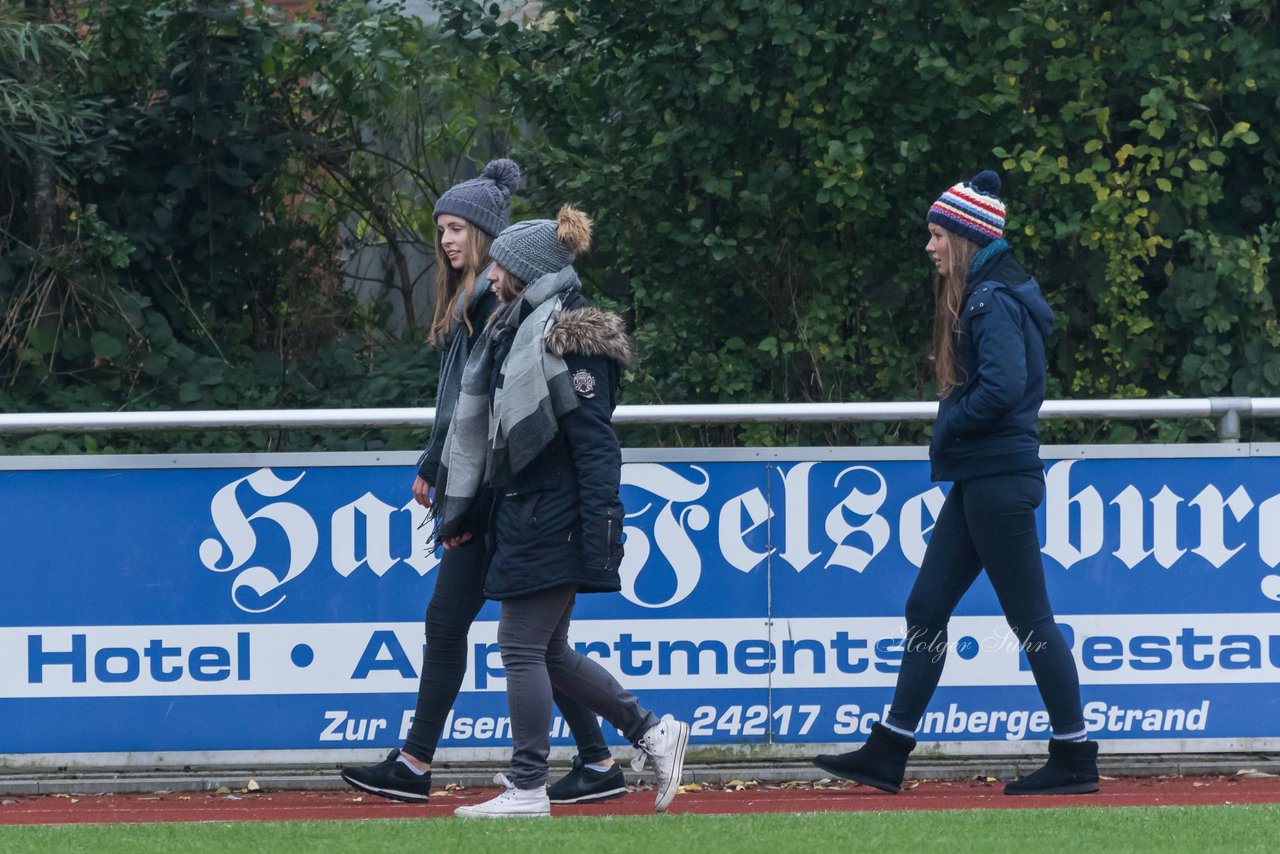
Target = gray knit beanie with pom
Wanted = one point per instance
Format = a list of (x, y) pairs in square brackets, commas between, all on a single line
[(535, 248), (485, 202)]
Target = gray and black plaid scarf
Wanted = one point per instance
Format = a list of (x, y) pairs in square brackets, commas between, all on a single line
[(456, 348), (492, 444)]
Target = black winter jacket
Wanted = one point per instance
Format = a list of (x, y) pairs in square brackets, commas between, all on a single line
[(559, 521)]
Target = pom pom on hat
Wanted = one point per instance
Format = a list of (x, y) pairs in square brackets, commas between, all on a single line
[(573, 229), (972, 209), (503, 172), (985, 182)]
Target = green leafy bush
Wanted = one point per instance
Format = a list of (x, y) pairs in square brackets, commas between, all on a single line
[(761, 169), (218, 163), (182, 182)]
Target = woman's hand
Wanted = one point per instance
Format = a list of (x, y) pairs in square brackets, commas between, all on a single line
[(421, 491), (422, 495), (454, 542)]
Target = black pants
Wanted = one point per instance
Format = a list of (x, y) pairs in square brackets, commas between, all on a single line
[(989, 522), (457, 599)]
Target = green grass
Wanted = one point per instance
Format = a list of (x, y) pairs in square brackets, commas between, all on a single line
[(1158, 829)]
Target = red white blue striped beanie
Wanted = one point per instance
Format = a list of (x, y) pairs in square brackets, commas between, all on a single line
[(972, 209)]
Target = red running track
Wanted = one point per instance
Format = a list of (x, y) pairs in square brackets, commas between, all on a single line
[(331, 805)]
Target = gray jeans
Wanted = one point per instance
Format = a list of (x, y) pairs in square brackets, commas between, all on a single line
[(533, 635)]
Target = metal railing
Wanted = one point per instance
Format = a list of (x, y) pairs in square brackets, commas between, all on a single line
[(1227, 410)]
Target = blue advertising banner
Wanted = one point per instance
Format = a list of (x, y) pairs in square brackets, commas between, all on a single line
[(156, 609)]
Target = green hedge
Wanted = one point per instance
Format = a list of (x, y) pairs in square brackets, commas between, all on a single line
[(759, 171)]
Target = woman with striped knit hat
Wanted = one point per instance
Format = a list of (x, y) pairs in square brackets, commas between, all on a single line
[(990, 326)]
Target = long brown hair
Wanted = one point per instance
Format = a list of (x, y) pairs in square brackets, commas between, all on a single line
[(451, 284), (948, 294), (511, 287)]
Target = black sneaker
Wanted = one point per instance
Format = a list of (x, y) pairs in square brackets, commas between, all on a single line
[(392, 779), (583, 785)]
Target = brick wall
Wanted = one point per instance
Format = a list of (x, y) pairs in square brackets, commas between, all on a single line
[(293, 7)]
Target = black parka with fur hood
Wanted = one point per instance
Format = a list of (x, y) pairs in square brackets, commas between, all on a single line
[(560, 520)]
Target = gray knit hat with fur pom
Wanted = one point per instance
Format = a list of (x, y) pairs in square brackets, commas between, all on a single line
[(485, 202), (535, 248)]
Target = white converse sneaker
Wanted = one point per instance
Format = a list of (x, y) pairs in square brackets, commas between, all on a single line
[(664, 746), (512, 803)]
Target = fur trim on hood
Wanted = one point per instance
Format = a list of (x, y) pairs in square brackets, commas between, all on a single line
[(590, 332)]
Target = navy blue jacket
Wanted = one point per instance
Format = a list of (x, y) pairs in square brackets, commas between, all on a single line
[(559, 521), (987, 424)]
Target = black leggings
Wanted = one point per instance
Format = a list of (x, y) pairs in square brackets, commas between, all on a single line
[(456, 601), (989, 522)]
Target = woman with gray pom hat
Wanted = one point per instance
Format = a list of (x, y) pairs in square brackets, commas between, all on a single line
[(468, 217), (533, 420)]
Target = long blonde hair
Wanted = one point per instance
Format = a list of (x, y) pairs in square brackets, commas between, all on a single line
[(451, 284), (948, 294)]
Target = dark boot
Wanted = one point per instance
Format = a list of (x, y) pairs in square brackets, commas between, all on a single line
[(1072, 769), (881, 762)]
